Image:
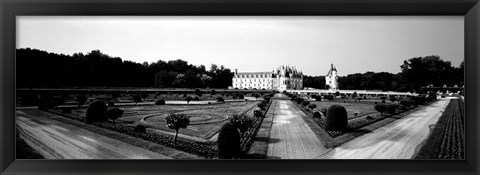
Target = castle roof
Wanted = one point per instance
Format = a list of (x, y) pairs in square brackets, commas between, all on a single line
[(253, 73), (332, 68)]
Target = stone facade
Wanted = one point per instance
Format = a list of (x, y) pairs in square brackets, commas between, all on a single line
[(283, 78)]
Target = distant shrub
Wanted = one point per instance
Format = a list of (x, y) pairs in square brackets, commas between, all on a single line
[(220, 99), (381, 107), (305, 103), (262, 106), (317, 114), (383, 97), (369, 117), (29, 99), (318, 98), (337, 119), (188, 99), (329, 97), (266, 98), (312, 106), (196, 98), (45, 101), (81, 99), (405, 103), (391, 108), (160, 102), (393, 99), (402, 107), (383, 101), (113, 114), (111, 103), (257, 113), (136, 99), (228, 143), (324, 111), (241, 122), (96, 112), (140, 129)]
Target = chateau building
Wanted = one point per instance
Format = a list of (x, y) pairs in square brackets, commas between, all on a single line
[(331, 79), (283, 78)]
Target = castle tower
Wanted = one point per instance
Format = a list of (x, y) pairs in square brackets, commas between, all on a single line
[(331, 79)]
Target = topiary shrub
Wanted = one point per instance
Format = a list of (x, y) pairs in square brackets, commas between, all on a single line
[(391, 108), (324, 111), (312, 106), (402, 107), (45, 102), (96, 112), (176, 121), (337, 119), (160, 102), (318, 98), (329, 97), (29, 99), (380, 108), (405, 103), (228, 143), (241, 122), (113, 114), (305, 103), (196, 98), (140, 129), (317, 114), (383, 101), (369, 117), (188, 99), (257, 113), (267, 98), (262, 106)]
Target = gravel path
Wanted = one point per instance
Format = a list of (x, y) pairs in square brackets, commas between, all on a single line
[(397, 140), (57, 140), (290, 137)]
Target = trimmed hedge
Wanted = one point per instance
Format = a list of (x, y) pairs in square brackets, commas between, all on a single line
[(96, 112), (337, 119), (160, 102), (228, 142)]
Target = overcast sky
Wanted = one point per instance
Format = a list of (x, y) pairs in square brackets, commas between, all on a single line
[(353, 44)]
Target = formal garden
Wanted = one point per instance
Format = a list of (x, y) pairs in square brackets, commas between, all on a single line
[(338, 114), (195, 128)]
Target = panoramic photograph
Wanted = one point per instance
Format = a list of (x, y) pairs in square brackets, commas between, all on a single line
[(240, 87)]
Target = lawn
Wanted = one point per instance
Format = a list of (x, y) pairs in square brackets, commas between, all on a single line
[(205, 120)]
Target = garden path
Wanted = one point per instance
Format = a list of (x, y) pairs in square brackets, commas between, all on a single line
[(58, 140), (290, 137), (397, 140)]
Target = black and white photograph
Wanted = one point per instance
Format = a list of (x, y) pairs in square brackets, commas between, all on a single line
[(240, 87)]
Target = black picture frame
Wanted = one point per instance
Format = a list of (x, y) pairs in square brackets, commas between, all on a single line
[(470, 9)]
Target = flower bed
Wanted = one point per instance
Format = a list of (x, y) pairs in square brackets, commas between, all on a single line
[(353, 124), (248, 137)]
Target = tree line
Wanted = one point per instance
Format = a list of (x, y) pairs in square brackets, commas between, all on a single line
[(415, 73), (36, 68)]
